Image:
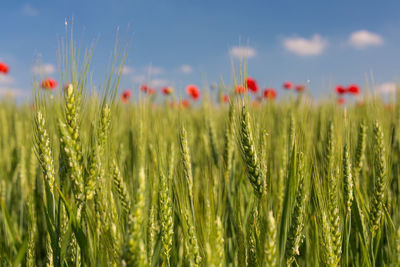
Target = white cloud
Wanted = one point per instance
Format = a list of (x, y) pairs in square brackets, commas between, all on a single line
[(148, 74), (127, 70), (6, 79), (186, 69), (152, 70), (306, 47), (363, 38), (44, 69), (138, 78), (29, 10), (158, 82), (386, 88), (14, 92), (242, 52)]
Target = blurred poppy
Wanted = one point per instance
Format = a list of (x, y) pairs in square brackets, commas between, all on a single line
[(126, 95), (269, 93), (185, 103), (340, 90), (167, 90), (151, 91), (193, 91), (287, 85), (49, 83), (354, 89), (341, 101), (144, 88), (4, 68), (240, 89), (252, 85), (300, 88), (225, 98)]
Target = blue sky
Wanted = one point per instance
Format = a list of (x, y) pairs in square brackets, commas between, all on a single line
[(323, 42)]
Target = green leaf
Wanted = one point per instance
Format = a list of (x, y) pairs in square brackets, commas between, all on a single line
[(10, 226), (21, 254), (287, 204), (77, 229)]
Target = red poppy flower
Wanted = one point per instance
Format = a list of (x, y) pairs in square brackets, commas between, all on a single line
[(193, 91), (269, 93), (167, 90), (354, 89), (4, 68), (185, 103), (49, 84), (225, 98), (126, 95), (151, 91), (340, 90), (252, 85), (240, 89), (341, 101), (300, 88), (144, 88), (287, 85)]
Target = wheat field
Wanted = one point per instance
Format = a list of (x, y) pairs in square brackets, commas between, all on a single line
[(86, 180)]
